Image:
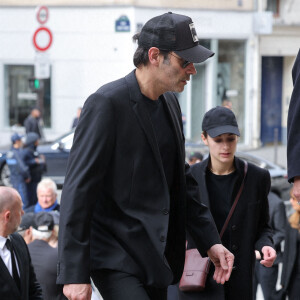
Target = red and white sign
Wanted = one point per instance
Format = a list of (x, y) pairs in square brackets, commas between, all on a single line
[(42, 14), (42, 39)]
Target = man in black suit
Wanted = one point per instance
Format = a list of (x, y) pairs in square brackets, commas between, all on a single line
[(17, 277), (267, 277), (293, 132), (32, 122), (128, 195), (44, 257)]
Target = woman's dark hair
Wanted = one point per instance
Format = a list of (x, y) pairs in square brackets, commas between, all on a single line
[(140, 56)]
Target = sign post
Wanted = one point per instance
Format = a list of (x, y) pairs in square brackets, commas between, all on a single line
[(42, 40)]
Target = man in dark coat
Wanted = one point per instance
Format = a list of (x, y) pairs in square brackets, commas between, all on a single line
[(32, 122), (125, 206), (293, 132), (40, 249), (19, 171), (17, 277), (37, 166), (267, 277)]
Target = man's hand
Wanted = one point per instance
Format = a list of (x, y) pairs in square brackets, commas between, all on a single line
[(296, 188), (223, 261), (78, 291), (269, 256)]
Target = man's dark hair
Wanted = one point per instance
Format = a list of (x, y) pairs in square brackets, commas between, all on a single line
[(140, 56)]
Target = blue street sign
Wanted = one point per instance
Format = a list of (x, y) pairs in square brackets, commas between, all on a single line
[(122, 24)]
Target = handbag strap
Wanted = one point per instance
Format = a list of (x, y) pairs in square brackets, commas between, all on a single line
[(235, 201)]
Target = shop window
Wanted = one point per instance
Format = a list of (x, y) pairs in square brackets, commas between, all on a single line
[(231, 78), (273, 6), (23, 92), (193, 101)]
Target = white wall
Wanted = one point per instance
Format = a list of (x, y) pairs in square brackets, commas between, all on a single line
[(87, 52)]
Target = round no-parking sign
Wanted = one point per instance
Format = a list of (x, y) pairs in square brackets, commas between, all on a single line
[(42, 14), (42, 39)]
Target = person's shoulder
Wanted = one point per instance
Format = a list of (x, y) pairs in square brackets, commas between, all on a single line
[(199, 167), (255, 173), (258, 170), (108, 94), (17, 238), (112, 88)]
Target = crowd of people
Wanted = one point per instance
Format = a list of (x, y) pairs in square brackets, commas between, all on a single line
[(131, 205)]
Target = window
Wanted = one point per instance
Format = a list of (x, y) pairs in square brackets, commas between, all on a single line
[(227, 80), (23, 93), (231, 78), (273, 6)]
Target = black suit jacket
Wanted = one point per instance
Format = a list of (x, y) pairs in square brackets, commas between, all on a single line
[(293, 125), (31, 124), (30, 288), (44, 259), (277, 222), (116, 206), (290, 256), (247, 230)]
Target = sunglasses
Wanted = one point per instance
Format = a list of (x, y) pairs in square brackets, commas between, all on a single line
[(184, 63)]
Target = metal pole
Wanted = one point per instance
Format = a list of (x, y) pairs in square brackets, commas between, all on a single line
[(275, 144)]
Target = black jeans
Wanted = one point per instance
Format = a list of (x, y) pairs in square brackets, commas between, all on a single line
[(115, 285), (267, 277)]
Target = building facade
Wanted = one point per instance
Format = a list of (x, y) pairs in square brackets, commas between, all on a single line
[(77, 46)]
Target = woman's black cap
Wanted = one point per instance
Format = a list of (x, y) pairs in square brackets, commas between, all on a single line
[(220, 120)]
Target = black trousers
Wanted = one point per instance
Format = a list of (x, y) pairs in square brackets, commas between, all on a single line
[(267, 277), (115, 285)]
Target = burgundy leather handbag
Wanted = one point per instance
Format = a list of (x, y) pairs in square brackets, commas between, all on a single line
[(196, 267)]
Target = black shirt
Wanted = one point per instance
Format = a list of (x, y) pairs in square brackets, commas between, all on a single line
[(164, 136), (220, 188)]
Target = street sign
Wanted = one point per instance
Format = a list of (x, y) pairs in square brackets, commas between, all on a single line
[(42, 14), (42, 66), (42, 39), (122, 24)]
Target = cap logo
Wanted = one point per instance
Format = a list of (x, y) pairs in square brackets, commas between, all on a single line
[(43, 228), (193, 32)]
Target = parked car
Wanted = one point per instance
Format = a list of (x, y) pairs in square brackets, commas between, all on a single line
[(279, 182), (56, 154)]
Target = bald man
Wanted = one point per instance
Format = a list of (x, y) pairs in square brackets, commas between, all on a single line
[(17, 277)]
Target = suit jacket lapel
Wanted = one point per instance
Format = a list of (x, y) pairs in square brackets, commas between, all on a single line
[(202, 183), (4, 273), (20, 257), (176, 125)]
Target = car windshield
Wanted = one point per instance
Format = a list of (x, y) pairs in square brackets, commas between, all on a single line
[(66, 141)]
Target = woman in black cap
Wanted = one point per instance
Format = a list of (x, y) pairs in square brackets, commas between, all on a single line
[(220, 177)]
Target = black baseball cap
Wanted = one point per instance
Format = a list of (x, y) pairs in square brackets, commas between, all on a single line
[(220, 120), (27, 221), (174, 32), (196, 155), (43, 221)]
